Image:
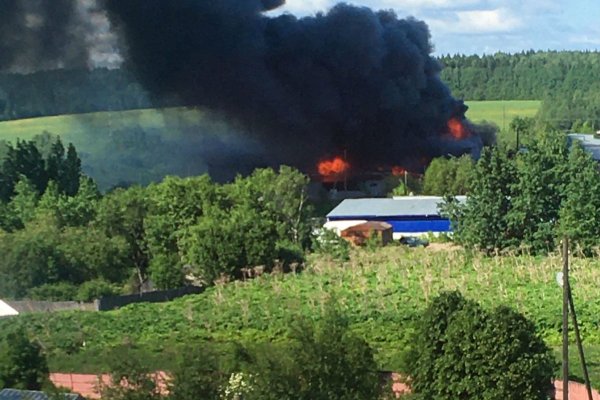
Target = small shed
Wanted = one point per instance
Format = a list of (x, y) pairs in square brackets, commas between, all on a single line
[(359, 234)]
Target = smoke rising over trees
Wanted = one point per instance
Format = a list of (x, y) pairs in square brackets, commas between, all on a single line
[(352, 79)]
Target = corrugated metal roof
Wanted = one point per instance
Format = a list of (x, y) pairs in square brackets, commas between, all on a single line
[(400, 206), (588, 142), (369, 226), (15, 394)]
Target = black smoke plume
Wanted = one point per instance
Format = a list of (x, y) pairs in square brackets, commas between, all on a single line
[(41, 34), (352, 80)]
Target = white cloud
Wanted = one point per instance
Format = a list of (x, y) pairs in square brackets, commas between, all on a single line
[(423, 4), (585, 39), (304, 7), (477, 22)]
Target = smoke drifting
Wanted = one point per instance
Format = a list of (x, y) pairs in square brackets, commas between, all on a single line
[(351, 80), (40, 34)]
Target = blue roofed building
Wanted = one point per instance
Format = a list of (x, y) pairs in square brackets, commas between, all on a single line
[(408, 216)]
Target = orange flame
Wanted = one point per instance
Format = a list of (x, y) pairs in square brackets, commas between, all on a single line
[(457, 130), (398, 171), (333, 167)]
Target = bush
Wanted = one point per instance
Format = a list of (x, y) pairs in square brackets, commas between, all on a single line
[(95, 289), (461, 350), (166, 271), (330, 244), (22, 364), (318, 361), (323, 361), (62, 291)]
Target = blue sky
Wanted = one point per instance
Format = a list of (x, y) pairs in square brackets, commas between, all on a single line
[(488, 26)]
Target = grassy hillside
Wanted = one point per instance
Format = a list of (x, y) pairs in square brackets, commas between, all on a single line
[(501, 112), (141, 146), (136, 145), (382, 293)]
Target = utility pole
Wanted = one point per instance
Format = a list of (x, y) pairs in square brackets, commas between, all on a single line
[(565, 319), (569, 305), (586, 376)]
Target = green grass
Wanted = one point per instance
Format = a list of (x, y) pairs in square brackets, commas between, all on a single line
[(381, 292), (130, 146), (501, 112), (143, 146)]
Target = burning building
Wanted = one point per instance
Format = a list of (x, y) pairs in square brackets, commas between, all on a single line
[(351, 81)]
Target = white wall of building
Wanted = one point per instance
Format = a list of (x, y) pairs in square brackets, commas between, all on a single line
[(6, 310)]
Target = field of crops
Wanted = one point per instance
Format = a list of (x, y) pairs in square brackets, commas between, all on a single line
[(381, 292), (131, 146), (501, 112), (139, 145)]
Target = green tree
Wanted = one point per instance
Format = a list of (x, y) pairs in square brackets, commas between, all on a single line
[(130, 380), (460, 350), (438, 176), (94, 254), (523, 128), (122, 213), (174, 205), (202, 372), (70, 173), (539, 189), (448, 176), (30, 258), (24, 203), (482, 222), (22, 160), (580, 210), (324, 360), (278, 196), (22, 363), (223, 242), (55, 161)]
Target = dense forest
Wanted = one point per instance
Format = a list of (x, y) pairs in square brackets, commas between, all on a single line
[(564, 80), (59, 92)]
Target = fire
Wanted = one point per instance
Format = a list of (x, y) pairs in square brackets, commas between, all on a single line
[(457, 130), (333, 167), (398, 171)]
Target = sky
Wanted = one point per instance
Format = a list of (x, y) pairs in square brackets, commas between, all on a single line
[(489, 26)]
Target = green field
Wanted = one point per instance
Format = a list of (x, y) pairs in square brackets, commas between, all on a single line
[(501, 112), (381, 292), (143, 146), (131, 146)]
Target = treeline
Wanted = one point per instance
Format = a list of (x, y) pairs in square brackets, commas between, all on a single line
[(59, 92), (25, 161), (530, 75), (59, 242), (564, 80)]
